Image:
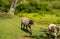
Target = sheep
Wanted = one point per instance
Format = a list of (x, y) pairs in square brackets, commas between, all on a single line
[(53, 28), (27, 23)]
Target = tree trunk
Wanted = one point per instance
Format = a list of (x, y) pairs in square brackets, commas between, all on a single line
[(13, 6)]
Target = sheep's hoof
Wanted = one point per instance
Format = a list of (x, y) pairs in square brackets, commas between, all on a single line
[(21, 28), (30, 33)]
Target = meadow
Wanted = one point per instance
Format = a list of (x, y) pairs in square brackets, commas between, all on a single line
[(43, 12), (10, 28)]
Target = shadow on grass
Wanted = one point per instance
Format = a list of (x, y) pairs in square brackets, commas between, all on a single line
[(45, 31), (36, 37), (26, 30)]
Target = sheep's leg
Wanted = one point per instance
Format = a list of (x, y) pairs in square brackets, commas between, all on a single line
[(55, 35), (26, 27), (49, 34), (30, 30), (21, 25)]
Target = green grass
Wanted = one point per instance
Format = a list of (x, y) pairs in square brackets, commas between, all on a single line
[(10, 28)]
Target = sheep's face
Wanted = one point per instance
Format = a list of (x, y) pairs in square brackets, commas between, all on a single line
[(31, 22)]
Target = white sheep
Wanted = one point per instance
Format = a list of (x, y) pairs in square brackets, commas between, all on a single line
[(53, 28)]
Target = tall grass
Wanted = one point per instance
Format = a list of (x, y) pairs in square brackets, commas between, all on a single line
[(45, 18)]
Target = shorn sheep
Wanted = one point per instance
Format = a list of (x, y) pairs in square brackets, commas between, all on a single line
[(27, 23), (53, 29)]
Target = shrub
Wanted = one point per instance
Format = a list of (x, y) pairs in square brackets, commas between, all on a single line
[(33, 6), (5, 5), (45, 6), (58, 14), (55, 4)]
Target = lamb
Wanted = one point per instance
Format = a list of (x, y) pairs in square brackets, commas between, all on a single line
[(27, 23), (53, 28)]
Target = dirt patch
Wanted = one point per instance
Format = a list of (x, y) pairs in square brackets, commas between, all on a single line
[(26, 38)]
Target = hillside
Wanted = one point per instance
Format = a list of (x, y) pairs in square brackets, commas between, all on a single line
[(10, 28), (42, 12)]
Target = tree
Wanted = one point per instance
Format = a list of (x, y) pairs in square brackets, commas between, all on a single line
[(12, 8)]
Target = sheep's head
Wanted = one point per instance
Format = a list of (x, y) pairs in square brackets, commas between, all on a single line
[(31, 22)]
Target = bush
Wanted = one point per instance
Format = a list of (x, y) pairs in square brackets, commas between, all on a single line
[(33, 7), (5, 5), (55, 4), (45, 6), (42, 12), (58, 14)]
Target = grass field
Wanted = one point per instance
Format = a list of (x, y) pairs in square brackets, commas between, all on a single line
[(10, 29)]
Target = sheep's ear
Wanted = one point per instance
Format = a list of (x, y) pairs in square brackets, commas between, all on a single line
[(31, 22)]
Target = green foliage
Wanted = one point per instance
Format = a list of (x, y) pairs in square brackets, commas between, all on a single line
[(45, 6), (55, 4), (41, 11), (55, 12), (38, 6), (10, 27), (33, 6), (5, 5), (45, 18)]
